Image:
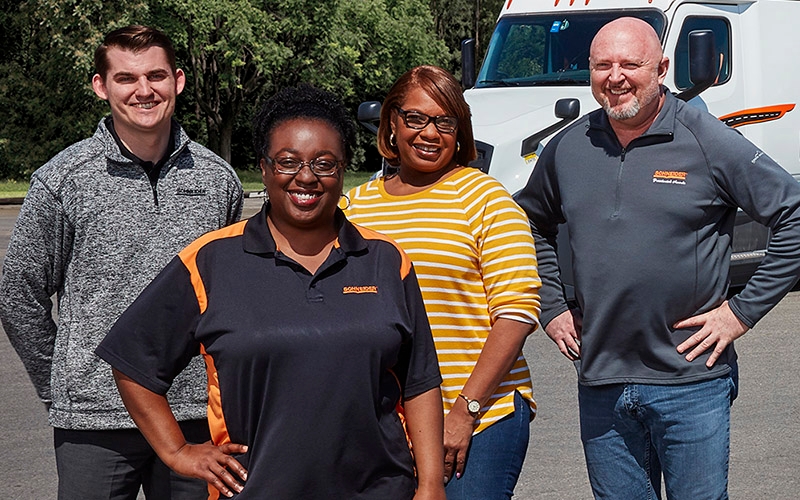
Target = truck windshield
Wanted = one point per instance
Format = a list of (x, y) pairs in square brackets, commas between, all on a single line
[(548, 49)]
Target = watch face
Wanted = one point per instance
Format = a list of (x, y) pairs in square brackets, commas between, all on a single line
[(474, 406)]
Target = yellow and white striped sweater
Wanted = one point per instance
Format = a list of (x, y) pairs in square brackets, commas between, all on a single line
[(474, 257)]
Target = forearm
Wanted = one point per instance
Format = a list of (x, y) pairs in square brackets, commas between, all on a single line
[(26, 312), (775, 276), (155, 420), (551, 294), (35, 352), (499, 353), (153, 417), (425, 428)]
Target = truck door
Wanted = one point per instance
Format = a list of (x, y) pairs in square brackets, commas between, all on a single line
[(727, 93), (724, 98)]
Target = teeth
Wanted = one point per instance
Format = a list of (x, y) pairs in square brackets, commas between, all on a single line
[(145, 105), (618, 91), (428, 149), (305, 196)]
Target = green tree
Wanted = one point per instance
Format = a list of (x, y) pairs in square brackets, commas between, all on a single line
[(238, 51), (235, 53), (373, 42), (45, 73), (455, 20), (231, 49)]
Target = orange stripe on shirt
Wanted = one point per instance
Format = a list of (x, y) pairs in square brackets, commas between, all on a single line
[(369, 234), (189, 258), (216, 419)]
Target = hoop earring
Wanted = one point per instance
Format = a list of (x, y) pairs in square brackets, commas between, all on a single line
[(458, 146), (346, 198), (392, 140)]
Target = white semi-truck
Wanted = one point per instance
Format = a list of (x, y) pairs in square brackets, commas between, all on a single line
[(539, 54), (534, 80)]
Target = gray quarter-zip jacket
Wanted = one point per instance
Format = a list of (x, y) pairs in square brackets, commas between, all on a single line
[(95, 231), (650, 230)]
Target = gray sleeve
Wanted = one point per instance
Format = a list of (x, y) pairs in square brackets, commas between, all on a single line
[(32, 272), (750, 179), (541, 201), (236, 201)]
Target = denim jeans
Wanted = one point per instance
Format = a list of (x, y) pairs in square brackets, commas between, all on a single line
[(494, 458), (633, 432)]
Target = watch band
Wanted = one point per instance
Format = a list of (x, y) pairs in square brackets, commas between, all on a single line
[(473, 405)]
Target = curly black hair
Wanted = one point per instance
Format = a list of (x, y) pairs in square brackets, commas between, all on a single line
[(303, 101)]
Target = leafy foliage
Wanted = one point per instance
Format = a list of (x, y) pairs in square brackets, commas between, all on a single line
[(235, 54), (45, 91), (524, 52), (455, 20)]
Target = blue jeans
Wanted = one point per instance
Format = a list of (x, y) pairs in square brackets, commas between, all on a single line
[(633, 432), (494, 458)]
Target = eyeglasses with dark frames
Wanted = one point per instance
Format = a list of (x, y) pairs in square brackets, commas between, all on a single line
[(321, 167), (418, 121)]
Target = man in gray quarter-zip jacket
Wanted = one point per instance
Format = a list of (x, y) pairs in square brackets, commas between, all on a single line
[(100, 221), (649, 188)]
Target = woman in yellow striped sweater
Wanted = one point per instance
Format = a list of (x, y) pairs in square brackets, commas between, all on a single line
[(472, 248)]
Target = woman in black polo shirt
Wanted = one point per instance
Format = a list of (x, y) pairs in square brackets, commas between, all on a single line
[(313, 330)]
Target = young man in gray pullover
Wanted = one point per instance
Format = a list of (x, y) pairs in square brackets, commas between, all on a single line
[(100, 220), (649, 189)]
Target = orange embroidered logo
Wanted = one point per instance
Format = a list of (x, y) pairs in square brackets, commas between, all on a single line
[(360, 289), (669, 177)]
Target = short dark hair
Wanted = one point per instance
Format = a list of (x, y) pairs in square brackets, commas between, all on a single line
[(134, 38), (443, 88), (303, 101)]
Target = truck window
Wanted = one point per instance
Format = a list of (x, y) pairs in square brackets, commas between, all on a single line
[(548, 49), (721, 29)]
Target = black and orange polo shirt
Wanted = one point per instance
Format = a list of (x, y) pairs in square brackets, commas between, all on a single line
[(304, 369)]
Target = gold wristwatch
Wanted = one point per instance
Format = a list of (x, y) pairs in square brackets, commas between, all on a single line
[(473, 405)]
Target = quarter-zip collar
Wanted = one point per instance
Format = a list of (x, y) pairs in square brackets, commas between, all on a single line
[(116, 151), (662, 128)]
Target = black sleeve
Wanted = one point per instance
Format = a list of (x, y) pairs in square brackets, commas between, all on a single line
[(153, 340), (417, 366)]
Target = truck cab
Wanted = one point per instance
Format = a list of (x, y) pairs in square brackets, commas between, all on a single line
[(539, 54)]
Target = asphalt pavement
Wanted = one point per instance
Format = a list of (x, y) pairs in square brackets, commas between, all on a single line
[(765, 446)]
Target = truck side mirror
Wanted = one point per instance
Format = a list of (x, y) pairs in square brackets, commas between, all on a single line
[(566, 109), (468, 63), (703, 63), (369, 115)]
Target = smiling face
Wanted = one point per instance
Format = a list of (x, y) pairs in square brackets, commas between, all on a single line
[(627, 70), (303, 200), (427, 152), (141, 89)]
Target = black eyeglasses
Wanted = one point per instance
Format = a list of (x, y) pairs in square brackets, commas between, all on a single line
[(418, 121), (321, 167)]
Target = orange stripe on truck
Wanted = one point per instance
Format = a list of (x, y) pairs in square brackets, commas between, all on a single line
[(756, 115)]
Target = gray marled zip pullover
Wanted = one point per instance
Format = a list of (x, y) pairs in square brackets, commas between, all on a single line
[(95, 231)]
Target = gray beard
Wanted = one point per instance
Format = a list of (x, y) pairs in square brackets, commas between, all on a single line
[(629, 111), (633, 107)]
